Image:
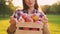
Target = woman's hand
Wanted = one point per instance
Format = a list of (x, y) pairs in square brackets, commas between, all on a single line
[(12, 28), (12, 21), (45, 26), (44, 19)]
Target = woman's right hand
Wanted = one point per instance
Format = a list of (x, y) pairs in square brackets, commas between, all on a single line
[(12, 27), (12, 21)]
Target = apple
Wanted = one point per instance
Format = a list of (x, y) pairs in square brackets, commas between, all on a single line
[(40, 19), (35, 17), (24, 16), (38, 22), (21, 19), (28, 19), (26, 28)]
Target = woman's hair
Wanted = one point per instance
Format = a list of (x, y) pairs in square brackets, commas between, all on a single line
[(25, 7)]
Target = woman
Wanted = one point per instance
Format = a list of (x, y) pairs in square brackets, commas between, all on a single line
[(30, 6)]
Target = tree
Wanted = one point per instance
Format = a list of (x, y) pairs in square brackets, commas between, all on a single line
[(6, 9), (55, 8), (45, 8)]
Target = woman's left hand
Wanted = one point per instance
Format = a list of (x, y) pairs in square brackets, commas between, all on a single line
[(44, 19), (45, 26)]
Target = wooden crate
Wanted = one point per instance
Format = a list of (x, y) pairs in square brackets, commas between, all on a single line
[(29, 25)]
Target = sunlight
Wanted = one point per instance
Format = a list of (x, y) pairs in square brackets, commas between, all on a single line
[(46, 2), (40, 2), (7, 3), (17, 2)]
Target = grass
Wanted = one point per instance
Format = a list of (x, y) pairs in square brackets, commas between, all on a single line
[(53, 22), (3, 26)]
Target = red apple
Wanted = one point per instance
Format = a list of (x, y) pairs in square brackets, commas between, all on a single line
[(28, 19), (26, 28), (38, 22), (24, 16), (21, 19)]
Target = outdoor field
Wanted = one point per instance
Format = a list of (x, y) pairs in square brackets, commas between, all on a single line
[(53, 22)]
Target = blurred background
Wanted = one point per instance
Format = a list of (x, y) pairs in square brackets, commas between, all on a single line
[(50, 7)]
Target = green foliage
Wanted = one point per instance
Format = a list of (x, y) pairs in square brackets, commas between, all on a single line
[(6, 9), (45, 8), (53, 9)]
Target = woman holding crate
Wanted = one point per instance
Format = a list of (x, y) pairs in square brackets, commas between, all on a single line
[(30, 13)]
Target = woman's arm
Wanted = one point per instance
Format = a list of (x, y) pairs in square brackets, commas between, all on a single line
[(11, 29), (45, 29), (45, 26)]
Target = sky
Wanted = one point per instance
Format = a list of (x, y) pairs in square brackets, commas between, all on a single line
[(40, 2)]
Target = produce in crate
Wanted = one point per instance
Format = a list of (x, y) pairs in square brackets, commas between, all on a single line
[(27, 18), (38, 22), (35, 17), (32, 18), (25, 15), (21, 19)]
